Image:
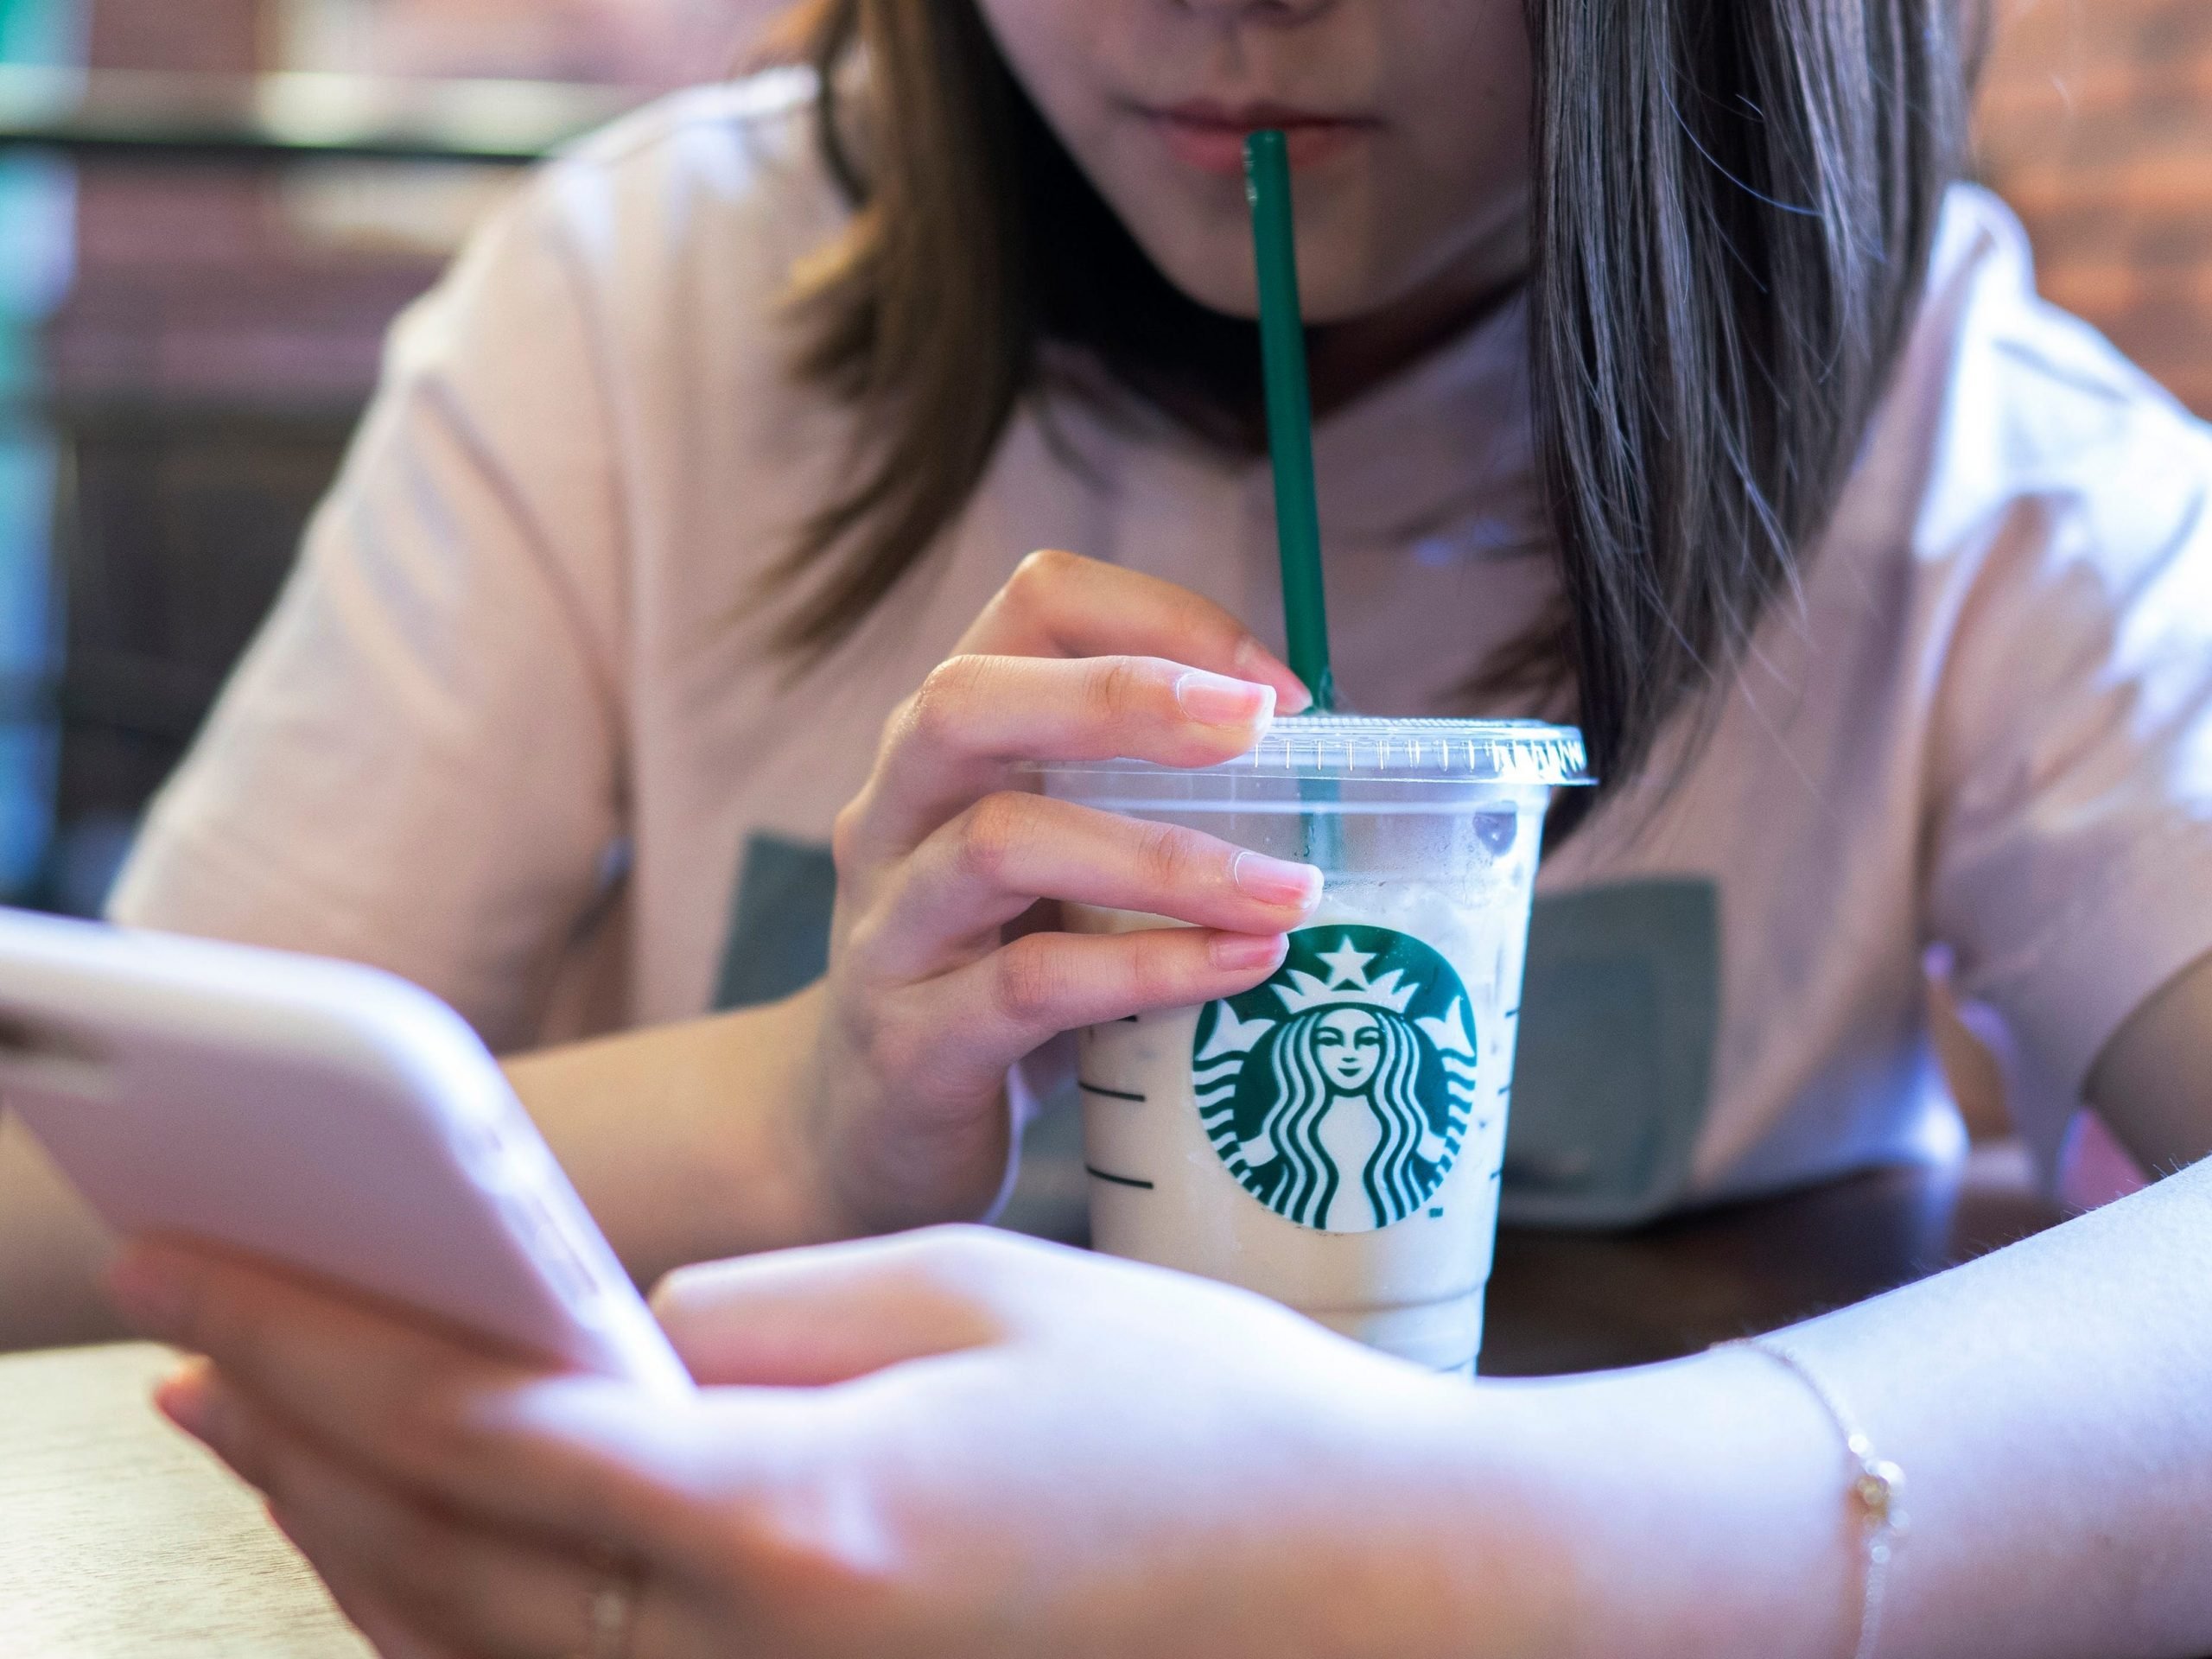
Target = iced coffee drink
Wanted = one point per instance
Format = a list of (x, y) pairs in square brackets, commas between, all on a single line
[(1332, 1138)]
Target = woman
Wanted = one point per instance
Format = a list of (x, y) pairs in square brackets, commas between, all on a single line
[(1663, 383)]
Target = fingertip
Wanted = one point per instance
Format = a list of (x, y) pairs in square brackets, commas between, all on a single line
[(1254, 661), (1238, 953), (1243, 707), (680, 1294), (184, 1396), (814, 1317), (1284, 883)]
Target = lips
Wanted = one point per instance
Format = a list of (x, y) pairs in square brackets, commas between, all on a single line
[(1210, 136)]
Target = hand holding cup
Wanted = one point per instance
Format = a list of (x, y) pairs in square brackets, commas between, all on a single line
[(947, 964)]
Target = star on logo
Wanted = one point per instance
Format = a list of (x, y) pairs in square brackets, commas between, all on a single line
[(1347, 966), (1347, 982)]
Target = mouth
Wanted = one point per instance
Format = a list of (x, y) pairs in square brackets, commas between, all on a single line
[(1209, 136)]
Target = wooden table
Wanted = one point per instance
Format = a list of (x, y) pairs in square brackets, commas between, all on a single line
[(119, 1540)]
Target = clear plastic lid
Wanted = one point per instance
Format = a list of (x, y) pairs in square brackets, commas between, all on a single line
[(1353, 746)]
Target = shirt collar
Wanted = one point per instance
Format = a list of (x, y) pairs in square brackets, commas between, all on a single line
[(1440, 456), (1439, 459)]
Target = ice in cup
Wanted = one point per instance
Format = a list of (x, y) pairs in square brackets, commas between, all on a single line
[(1333, 1138)]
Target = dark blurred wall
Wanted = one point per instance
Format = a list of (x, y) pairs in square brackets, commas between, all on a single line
[(222, 332), (203, 376)]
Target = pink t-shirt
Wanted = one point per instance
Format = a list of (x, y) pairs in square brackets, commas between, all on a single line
[(515, 731)]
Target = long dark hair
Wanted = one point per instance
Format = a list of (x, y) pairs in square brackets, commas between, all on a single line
[(1733, 208)]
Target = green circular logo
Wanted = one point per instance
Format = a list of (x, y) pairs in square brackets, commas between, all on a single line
[(1338, 1092)]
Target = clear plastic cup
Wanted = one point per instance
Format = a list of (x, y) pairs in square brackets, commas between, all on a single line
[(1333, 1138)]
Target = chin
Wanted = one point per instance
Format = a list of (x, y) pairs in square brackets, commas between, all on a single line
[(1217, 271), (1197, 231), (1213, 265)]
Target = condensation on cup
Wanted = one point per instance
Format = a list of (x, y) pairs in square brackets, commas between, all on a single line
[(1333, 1138)]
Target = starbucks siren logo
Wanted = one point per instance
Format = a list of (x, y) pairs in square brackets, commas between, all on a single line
[(1338, 1092)]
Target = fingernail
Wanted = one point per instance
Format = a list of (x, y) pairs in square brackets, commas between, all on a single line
[(1256, 662), (150, 1297), (1275, 881), (1217, 700), (1237, 952)]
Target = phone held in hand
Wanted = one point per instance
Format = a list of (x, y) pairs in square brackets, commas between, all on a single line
[(328, 1116)]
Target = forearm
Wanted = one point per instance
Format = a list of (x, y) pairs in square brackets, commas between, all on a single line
[(2048, 1403), (1675, 1511), (682, 1140)]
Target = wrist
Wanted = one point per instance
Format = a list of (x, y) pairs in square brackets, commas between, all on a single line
[(760, 1084), (811, 1137), (1492, 1559), (879, 1155)]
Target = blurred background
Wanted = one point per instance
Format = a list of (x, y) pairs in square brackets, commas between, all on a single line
[(211, 209)]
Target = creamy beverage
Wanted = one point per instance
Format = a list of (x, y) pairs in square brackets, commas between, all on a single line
[(1333, 1137)]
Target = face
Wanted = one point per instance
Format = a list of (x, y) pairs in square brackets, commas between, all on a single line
[(1407, 120), (1348, 1044)]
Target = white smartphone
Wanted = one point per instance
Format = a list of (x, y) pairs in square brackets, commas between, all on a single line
[(325, 1115)]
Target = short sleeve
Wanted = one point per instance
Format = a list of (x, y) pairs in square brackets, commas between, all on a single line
[(418, 762), (2070, 842)]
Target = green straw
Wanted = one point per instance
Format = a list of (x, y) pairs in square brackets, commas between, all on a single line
[(1290, 414)]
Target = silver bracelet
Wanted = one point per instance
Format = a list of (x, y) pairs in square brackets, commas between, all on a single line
[(1876, 1486)]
